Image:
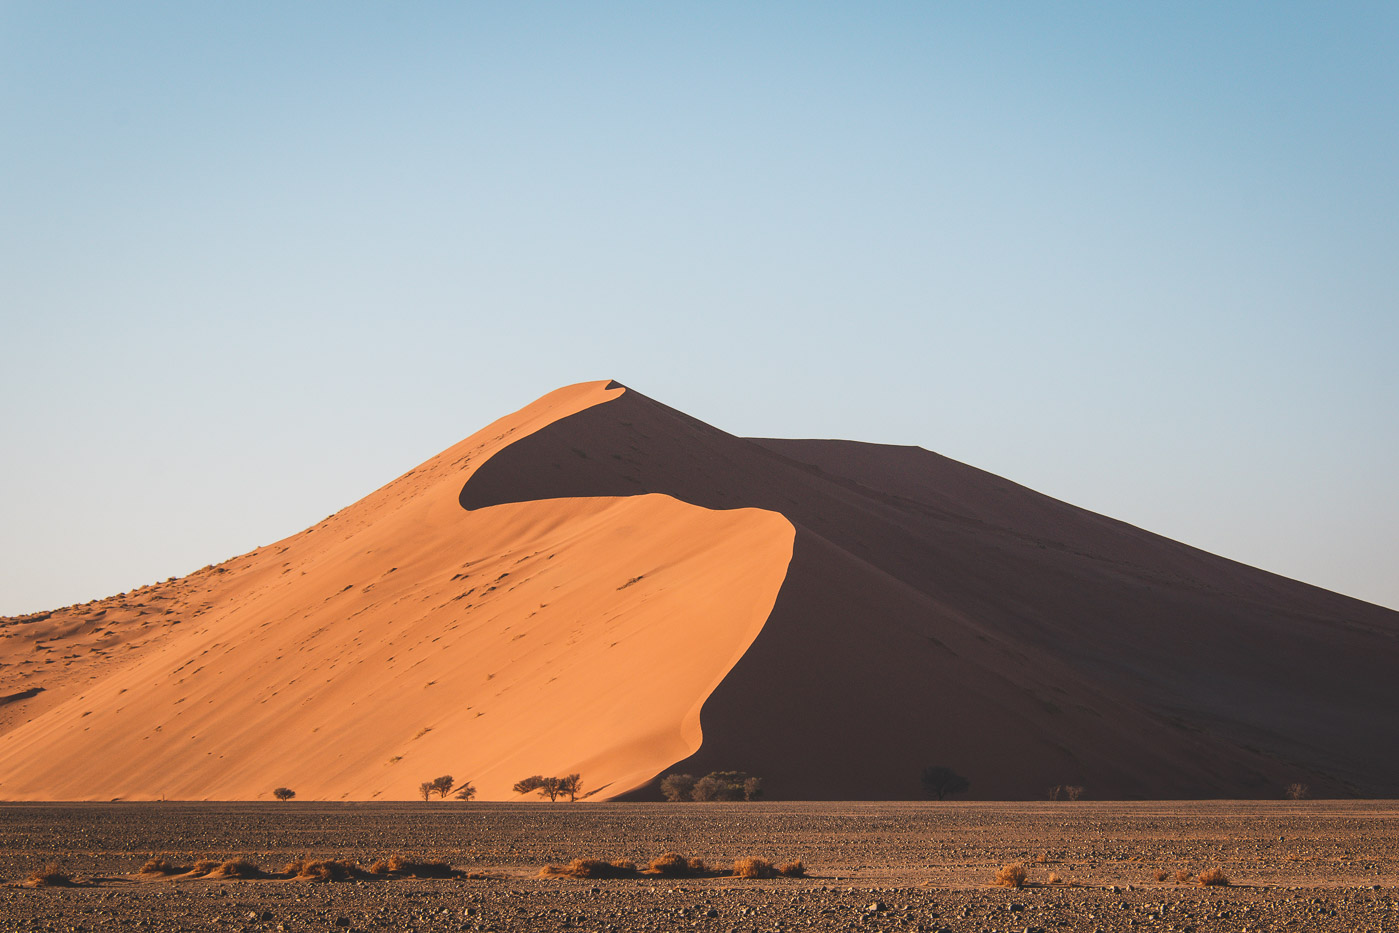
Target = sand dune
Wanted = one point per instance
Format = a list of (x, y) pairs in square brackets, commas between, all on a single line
[(568, 588)]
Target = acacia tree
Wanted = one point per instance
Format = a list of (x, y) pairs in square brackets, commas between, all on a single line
[(941, 781), (570, 784), (284, 793), (550, 787), (533, 782), (467, 791), (442, 786), (426, 789)]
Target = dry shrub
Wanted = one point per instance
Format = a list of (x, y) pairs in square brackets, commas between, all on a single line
[(1012, 875), (48, 877), (1162, 875), (1042, 858), (411, 868), (754, 868), (596, 868), (236, 868), (204, 866), (324, 870), (1055, 879), (160, 866), (795, 869), (1214, 878), (1184, 875), (695, 866), (671, 865)]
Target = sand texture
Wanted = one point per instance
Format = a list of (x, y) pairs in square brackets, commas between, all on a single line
[(583, 585)]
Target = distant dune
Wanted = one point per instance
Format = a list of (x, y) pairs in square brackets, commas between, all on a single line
[(600, 584)]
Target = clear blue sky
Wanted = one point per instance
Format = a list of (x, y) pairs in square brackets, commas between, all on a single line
[(257, 259)]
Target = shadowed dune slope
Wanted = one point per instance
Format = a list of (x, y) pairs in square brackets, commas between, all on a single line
[(934, 613), (584, 584), (401, 639)]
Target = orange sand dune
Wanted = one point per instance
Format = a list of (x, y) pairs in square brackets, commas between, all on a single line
[(405, 638), (581, 585)]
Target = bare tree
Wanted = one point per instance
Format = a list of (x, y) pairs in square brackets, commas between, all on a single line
[(1298, 791), (1073, 791), (425, 789)]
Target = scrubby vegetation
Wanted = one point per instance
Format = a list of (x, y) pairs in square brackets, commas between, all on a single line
[(673, 865), (49, 876), (754, 868), (284, 793), (1013, 875), (942, 782), (1298, 792), (720, 786), (160, 866), (237, 868), (309, 869), (1214, 878), (1066, 792)]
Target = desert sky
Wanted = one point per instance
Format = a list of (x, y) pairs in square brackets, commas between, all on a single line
[(258, 260)]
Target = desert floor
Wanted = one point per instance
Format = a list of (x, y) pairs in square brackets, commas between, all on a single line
[(1313, 865)]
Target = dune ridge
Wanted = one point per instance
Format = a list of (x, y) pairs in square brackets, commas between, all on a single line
[(599, 583), (403, 638)]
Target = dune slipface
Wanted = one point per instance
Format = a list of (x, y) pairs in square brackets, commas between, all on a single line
[(601, 584)]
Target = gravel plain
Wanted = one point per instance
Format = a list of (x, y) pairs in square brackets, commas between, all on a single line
[(1310, 865)]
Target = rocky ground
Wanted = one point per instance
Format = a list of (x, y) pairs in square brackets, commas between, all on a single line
[(1311, 865)]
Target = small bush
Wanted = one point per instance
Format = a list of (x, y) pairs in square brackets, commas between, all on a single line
[(204, 866), (1162, 875), (50, 876), (795, 869), (1298, 792), (677, 787), (671, 865), (237, 868), (284, 793), (1055, 879), (324, 870), (754, 868), (159, 866), (593, 868), (1214, 878), (1013, 875), (411, 868), (1184, 875)]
